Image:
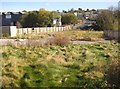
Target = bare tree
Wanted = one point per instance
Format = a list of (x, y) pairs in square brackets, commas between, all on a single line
[(108, 19), (18, 24)]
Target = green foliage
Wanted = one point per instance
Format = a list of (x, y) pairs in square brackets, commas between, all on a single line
[(47, 66), (112, 74), (6, 35), (106, 20), (40, 18), (69, 18), (30, 19), (44, 18)]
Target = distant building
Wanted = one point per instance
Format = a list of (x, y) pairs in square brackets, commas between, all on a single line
[(90, 15), (10, 18), (57, 22)]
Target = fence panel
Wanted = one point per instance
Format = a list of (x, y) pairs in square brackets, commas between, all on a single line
[(39, 30), (112, 34)]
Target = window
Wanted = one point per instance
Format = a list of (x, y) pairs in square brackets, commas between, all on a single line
[(8, 16)]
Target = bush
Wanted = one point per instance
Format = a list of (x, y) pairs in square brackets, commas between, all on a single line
[(113, 74), (6, 35), (69, 19), (33, 43), (106, 20), (61, 41)]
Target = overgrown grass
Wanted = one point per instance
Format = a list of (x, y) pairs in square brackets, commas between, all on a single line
[(57, 66), (72, 34)]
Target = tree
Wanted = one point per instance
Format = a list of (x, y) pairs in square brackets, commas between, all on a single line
[(87, 10), (69, 18), (93, 10), (18, 24), (80, 9), (41, 18), (64, 11), (55, 15), (44, 19), (108, 19), (30, 19), (105, 20)]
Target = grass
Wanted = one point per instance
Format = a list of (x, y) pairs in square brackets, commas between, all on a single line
[(72, 34), (57, 66), (82, 35)]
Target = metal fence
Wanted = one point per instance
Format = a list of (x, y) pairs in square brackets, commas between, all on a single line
[(112, 34)]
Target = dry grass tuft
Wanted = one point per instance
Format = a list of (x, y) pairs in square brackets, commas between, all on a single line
[(61, 41)]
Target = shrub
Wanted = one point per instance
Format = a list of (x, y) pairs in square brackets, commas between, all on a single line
[(61, 41), (69, 19), (6, 35), (107, 20), (113, 73), (33, 43)]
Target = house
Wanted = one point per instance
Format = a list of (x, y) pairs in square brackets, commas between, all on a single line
[(57, 22), (79, 15), (90, 15), (10, 18), (8, 23)]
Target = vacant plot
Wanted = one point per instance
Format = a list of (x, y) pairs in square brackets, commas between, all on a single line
[(58, 66), (72, 34), (82, 35)]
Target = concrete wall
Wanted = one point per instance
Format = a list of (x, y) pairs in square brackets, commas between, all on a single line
[(39, 30), (10, 30), (13, 31)]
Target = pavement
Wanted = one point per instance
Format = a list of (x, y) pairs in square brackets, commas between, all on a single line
[(90, 42), (9, 41), (43, 41)]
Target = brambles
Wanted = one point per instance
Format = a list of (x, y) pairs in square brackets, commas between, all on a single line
[(113, 73)]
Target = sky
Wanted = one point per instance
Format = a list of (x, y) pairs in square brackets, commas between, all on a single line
[(29, 6)]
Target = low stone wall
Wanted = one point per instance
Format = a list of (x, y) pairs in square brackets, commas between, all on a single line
[(112, 34)]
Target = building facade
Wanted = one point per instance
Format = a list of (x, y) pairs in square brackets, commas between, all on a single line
[(10, 18)]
